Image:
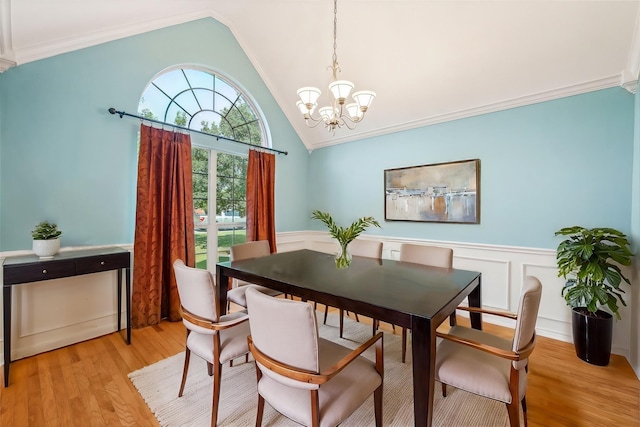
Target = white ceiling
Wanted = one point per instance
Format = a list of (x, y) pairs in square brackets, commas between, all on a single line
[(429, 61)]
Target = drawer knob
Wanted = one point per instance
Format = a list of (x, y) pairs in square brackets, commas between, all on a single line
[(44, 271), (101, 262)]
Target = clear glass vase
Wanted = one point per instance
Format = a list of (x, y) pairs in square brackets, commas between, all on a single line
[(343, 257)]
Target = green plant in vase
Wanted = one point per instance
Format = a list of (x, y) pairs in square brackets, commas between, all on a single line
[(344, 235)]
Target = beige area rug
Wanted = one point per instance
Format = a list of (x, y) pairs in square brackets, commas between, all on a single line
[(159, 383)]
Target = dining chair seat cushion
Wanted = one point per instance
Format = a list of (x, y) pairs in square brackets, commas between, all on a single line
[(474, 370), (233, 341), (339, 397), (237, 295)]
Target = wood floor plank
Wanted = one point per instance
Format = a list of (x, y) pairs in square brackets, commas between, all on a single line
[(562, 390)]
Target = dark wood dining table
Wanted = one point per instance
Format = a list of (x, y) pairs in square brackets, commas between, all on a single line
[(414, 296)]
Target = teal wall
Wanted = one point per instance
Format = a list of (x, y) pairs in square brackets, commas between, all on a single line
[(635, 240), (543, 167), (65, 159)]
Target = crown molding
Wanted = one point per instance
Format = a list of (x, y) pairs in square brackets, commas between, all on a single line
[(6, 46), (629, 79), (53, 48), (604, 83)]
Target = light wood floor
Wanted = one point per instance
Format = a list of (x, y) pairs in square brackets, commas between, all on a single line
[(86, 384)]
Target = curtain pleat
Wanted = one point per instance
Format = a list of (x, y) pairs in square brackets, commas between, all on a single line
[(261, 173), (164, 224)]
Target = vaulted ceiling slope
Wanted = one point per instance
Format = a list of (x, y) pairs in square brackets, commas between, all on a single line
[(428, 61)]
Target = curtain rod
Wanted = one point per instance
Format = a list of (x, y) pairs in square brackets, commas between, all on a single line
[(217, 137)]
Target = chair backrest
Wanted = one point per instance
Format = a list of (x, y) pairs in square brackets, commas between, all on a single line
[(247, 250), (427, 255), (366, 248), (527, 313), (197, 290), (284, 330)]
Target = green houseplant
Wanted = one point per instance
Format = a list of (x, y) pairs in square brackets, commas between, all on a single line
[(46, 239), (344, 235), (590, 260)]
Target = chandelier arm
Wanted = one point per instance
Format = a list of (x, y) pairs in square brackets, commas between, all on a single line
[(346, 123), (315, 121)]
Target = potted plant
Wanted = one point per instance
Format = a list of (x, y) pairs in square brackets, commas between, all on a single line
[(344, 235), (46, 239), (590, 260)]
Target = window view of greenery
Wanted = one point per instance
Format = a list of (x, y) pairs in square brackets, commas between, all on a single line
[(202, 101)]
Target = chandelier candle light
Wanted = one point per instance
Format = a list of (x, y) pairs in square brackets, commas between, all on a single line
[(337, 114)]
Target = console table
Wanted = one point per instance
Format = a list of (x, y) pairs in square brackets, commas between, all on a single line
[(26, 269)]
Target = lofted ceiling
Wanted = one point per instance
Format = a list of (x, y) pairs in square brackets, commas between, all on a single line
[(428, 61)]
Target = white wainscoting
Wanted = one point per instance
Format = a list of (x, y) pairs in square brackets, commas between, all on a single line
[(503, 271), (60, 312)]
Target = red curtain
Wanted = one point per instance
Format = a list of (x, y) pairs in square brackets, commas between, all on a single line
[(164, 224), (261, 173)]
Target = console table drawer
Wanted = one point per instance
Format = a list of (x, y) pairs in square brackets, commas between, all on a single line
[(102, 263), (36, 272)]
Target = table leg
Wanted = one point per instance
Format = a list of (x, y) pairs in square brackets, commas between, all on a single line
[(6, 319), (475, 301), (223, 281), (423, 350)]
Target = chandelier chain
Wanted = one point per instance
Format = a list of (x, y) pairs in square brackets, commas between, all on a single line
[(335, 31)]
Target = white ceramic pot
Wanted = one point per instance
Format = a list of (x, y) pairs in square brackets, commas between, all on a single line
[(46, 248)]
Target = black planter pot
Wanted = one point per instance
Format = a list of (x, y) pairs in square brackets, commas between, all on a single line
[(592, 336)]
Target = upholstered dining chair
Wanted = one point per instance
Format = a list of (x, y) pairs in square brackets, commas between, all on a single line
[(309, 380), (488, 365), (364, 248), (216, 339), (433, 256), (242, 251)]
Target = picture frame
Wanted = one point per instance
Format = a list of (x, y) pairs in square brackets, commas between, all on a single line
[(441, 192)]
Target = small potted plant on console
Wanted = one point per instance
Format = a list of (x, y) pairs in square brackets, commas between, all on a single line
[(46, 240)]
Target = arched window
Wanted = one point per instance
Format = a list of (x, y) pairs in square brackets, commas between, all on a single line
[(205, 101)]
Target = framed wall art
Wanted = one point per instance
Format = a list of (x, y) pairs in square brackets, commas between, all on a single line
[(441, 192)]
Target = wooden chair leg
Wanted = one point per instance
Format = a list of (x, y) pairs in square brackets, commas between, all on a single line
[(374, 324), (216, 394), (315, 408), (377, 406), (187, 356), (444, 389), (341, 321), (326, 310), (514, 413), (246, 358), (210, 369), (230, 364), (524, 410), (404, 344), (260, 410)]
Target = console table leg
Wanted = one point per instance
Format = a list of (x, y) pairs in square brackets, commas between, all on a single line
[(128, 303), (6, 310), (119, 272)]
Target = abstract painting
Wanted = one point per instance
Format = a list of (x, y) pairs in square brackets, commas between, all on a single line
[(442, 192)]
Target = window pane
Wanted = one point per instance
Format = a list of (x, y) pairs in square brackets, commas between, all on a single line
[(200, 165), (201, 249), (229, 237), (187, 101)]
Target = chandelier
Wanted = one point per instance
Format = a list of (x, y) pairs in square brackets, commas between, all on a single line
[(336, 114)]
